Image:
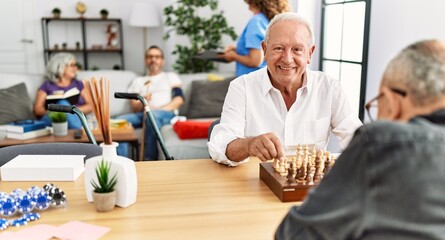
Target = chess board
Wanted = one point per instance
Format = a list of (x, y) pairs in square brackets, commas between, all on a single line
[(285, 191), (292, 177)]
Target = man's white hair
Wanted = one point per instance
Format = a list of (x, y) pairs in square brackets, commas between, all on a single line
[(421, 68), (291, 16)]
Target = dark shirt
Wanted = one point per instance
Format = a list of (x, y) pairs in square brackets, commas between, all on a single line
[(50, 87), (389, 183)]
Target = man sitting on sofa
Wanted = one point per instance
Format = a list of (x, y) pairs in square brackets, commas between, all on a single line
[(163, 92)]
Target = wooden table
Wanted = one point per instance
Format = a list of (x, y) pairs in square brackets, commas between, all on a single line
[(118, 136), (180, 199)]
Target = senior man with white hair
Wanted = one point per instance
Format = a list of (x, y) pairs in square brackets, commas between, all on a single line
[(283, 104)]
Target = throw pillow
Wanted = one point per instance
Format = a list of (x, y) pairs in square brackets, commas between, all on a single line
[(192, 129), (207, 98), (19, 104)]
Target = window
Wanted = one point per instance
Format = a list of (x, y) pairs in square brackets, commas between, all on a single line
[(344, 46)]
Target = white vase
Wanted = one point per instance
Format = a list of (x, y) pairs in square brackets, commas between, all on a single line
[(126, 187), (60, 129)]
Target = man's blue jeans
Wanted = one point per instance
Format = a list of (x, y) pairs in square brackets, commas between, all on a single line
[(151, 148)]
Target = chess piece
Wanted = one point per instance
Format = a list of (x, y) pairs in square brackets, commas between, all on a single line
[(290, 176), (282, 169), (310, 175)]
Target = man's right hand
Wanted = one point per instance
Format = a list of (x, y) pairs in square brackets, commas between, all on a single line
[(265, 147)]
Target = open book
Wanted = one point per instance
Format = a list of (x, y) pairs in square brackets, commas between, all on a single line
[(71, 95)]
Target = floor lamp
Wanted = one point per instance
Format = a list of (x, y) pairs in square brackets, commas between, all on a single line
[(145, 15)]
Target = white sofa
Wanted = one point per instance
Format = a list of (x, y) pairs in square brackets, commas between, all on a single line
[(119, 81)]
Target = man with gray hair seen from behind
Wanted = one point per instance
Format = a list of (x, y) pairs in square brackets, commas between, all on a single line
[(389, 181), (283, 104)]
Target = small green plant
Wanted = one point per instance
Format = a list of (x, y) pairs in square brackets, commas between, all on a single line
[(106, 184), (104, 13), (57, 117), (56, 12)]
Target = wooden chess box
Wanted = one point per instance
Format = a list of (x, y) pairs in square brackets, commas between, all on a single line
[(285, 191)]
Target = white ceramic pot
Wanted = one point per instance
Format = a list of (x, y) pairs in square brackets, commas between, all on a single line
[(60, 129)]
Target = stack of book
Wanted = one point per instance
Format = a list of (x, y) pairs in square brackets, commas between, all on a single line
[(26, 129)]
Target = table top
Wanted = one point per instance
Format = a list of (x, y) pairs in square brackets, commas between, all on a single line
[(186, 199), (118, 136)]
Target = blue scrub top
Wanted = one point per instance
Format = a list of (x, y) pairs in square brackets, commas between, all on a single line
[(252, 36)]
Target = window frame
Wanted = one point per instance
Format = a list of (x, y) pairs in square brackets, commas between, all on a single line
[(365, 47)]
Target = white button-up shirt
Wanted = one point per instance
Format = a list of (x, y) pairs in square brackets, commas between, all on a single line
[(253, 107)]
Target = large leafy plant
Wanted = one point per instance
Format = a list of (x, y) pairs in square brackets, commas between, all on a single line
[(203, 33)]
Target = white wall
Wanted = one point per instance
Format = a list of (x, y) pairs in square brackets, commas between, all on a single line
[(236, 11), (396, 24)]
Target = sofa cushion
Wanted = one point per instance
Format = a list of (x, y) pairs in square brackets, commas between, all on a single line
[(207, 98), (192, 129), (19, 104), (183, 149)]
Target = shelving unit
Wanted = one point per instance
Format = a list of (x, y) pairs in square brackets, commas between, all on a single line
[(85, 52)]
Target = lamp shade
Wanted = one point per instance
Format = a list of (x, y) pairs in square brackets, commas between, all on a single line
[(144, 14)]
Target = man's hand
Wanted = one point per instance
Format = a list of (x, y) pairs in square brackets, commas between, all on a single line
[(148, 97), (265, 147)]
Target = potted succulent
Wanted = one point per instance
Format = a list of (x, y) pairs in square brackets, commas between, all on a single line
[(56, 12), (104, 13), (59, 123), (104, 194)]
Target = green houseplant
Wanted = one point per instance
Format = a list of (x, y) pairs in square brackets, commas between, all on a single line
[(56, 12), (104, 194), (57, 117), (104, 13), (203, 33), (59, 123)]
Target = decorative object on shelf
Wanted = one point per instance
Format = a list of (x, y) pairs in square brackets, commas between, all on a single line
[(98, 92), (104, 195), (112, 40), (77, 45), (145, 15), (64, 46), (204, 33), (79, 66), (95, 68), (56, 46), (104, 13), (59, 123), (81, 8), (92, 45), (56, 12), (116, 67), (96, 46)]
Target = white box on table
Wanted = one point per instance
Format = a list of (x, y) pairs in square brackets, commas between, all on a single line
[(43, 168)]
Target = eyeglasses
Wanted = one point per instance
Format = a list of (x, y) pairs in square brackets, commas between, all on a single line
[(72, 65), (372, 106), (154, 56)]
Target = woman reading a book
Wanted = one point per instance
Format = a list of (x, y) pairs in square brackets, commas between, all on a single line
[(248, 54), (62, 87)]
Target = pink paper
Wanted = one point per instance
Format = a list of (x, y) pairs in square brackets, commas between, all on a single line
[(36, 232), (76, 230)]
